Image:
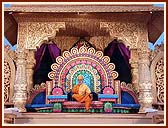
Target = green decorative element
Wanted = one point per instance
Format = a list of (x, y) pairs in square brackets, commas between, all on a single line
[(127, 111), (118, 110), (73, 110), (107, 106), (57, 106), (124, 111), (101, 110)]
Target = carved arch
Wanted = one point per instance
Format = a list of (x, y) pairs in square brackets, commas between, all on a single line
[(157, 88), (9, 78)]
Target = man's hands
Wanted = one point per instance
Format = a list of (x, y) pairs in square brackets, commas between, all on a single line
[(69, 90), (87, 94), (91, 96)]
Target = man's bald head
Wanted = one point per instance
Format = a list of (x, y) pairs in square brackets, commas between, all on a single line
[(80, 77)]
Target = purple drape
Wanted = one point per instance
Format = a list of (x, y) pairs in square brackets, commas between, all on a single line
[(123, 50), (39, 56), (54, 52), (125, 53), (110, 49)]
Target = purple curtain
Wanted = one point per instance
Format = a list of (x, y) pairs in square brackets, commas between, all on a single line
[(125, 53), (123, 50), (54, 51), (110, 49), (39, 56)]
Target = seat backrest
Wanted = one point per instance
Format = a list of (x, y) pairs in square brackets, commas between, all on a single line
[(88, 79), (93, 65)]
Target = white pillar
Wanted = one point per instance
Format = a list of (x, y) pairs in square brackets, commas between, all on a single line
[(20, 87), (145, 84), (134, 69), (29, 69)]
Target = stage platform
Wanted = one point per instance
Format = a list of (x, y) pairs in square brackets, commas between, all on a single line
[(82, 118)]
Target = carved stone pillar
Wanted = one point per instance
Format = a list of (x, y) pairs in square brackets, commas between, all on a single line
[(134, 69), (145, 84), (118, 90), (20, 87), (29, 69)]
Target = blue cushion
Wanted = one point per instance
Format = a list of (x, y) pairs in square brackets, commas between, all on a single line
[(52, 97), (39, 98), (108, 96), (38, 105), (137, 106), (127, 98)]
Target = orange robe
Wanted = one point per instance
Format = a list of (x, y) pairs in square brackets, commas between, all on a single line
[(82, 94)]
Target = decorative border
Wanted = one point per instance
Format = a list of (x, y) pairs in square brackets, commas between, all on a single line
[(79, 56)]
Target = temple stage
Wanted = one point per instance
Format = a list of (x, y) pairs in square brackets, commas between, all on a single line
[(83, 118)]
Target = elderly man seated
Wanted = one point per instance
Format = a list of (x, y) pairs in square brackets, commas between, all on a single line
[(82, 93)]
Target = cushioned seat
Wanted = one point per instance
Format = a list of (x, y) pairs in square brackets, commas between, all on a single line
[(134, 106), (108, 96), (38, 105), (51, 97)]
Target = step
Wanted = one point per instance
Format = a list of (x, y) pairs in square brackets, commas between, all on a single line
[(82, 118)]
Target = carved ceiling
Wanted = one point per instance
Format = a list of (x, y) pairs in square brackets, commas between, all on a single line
[(83, 23)]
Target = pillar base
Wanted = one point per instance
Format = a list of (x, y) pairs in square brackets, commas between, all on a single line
[(20, 106)]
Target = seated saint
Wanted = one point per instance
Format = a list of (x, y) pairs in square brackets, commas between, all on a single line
[(82, 93)]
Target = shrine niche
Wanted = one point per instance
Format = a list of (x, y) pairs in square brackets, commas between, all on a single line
[(99, 74)]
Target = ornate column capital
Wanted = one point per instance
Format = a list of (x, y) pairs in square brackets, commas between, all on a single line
[(30, 59), (134, 63)]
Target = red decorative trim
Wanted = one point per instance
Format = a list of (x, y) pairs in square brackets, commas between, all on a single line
[(81, 107), (57, 100), (104, 99), (56, 110), (75, 104), (131, 93)]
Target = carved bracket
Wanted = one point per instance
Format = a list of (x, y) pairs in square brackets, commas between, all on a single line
[(122, 31), (32, 34)]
